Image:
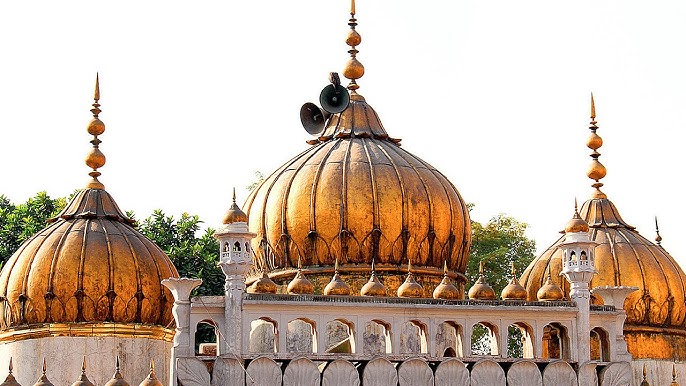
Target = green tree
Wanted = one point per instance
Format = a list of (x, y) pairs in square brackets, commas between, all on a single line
[(19, 222), (193, 256), (499, 243)]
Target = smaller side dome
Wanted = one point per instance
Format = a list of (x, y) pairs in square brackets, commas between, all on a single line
[(445, 289), (300, 285), (550, 291), (151, 379), (337, 286), (263, 285), (576, 224), (83, 379), (481, 290), (374, 287), (117, 378), (234, 214), (10, 380), (410, 288), (514, 290)]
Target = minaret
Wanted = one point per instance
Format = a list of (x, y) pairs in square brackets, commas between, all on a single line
[(578, 267), (235, 258)]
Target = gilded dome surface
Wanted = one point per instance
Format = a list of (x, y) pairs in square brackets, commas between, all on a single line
[(623, 258), (89, 265), (356, 195)]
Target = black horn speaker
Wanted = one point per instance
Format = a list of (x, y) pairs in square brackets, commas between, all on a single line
[(313, 118), (334, 98)]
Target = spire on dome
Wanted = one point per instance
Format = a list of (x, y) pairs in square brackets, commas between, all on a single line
[(10, 380), (596, 171), (353, 68), (658, 238), (95, 159)]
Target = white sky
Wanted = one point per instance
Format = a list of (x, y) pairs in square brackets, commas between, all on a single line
[(198, 95)]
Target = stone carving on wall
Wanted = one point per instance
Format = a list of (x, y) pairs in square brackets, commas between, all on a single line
[(452, 372), (616, 374), (487, 372), (374, 338), (379, 372), (192, 372), (415, 372), (301, 372), (588, 374), (524, 373), (228, 372), (262, 337), (263, 371), (410, 339), (559, 373), (446, 338), (340, 373), (299, 337)]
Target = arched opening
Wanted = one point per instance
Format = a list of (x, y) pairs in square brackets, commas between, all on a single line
[(600, 345), (555, 342), (301, 336), (519, 341), (485, 339), (206, 338), (377, 337), (413, 338), (449, 340), (263, 336), (583, 256), (236, 246), (339, 336), (226, 247)]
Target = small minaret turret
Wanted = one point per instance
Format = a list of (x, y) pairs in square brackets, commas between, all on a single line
[(578, 267), (235, 258)]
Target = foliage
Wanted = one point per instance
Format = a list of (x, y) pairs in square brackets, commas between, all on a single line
[(193, 256), (20, 222), (259, 178), (498, 243)]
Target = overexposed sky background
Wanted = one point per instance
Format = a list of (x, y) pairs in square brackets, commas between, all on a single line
[(197, 96)]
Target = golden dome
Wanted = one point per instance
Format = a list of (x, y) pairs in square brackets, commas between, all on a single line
[(234, 214), (300, 285), (656, 312), (549, 291), (481, 290), (43, 380), (337, 286), (445, 289), (410, 288), (358, 196), (263, 285), (151, 379), (88, 265), (576, 224), (117, 378), (83, 380), (374, 287), (514, 290), (10, 380)]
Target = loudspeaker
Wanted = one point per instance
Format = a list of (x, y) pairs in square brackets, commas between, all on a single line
[(313, 118), (334, 98)]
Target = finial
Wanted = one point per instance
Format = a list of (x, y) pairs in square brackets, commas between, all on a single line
[(95, 159), (335, 266), (234, 194), (658, 238), (373, 270), (513, 271), (11, 367), (300, 266), (353, 68), (644, 371), (409, 265), (45, 367), (673, 372), (596, 171), (445, 267), (83, 365), (481, 267)]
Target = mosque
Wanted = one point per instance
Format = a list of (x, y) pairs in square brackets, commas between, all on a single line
[(346, 266)]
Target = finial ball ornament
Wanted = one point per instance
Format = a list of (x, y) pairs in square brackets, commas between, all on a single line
[(96, 127), (353, 69), (353, 39), (95, 159)]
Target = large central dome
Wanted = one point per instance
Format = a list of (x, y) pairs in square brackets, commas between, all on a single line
[(357, 196)]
